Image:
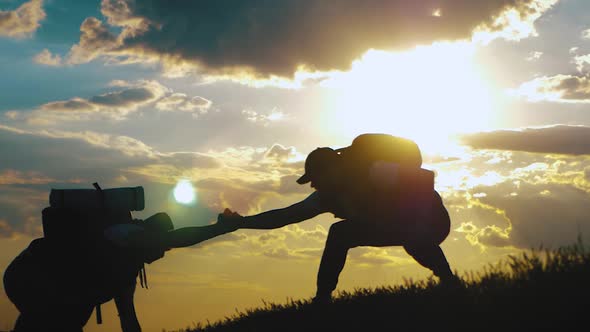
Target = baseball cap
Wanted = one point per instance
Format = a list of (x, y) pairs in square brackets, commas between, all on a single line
[(317, 162)]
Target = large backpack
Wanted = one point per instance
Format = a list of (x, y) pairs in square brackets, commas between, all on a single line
[(74, 259), (369, 150)]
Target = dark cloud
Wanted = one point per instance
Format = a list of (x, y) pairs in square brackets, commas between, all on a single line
[(59, 154), (560, 139), (64, 157), (74, 104), (124, 98), (114, 105), (535, 200), (558, 88), (551, 215), (268, 37), (23, 21), (574, 88)]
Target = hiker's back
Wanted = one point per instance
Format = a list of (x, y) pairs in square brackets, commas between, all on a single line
[(384, 169), (369, 148)]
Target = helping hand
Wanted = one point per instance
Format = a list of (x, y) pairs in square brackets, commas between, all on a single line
[(230, 219)]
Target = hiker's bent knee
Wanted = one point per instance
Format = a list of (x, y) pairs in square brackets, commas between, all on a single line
[(341, 234)]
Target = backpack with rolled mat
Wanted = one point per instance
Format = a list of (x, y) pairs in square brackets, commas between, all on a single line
[(82, 261)]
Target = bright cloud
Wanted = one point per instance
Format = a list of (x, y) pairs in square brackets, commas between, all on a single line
[(48, 59), (23, 21), (182, 102), (582, 62), (533, 56), (264, 119)]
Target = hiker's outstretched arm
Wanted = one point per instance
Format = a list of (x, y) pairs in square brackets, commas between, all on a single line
[(188, 236), (126, 310), (303, 210)]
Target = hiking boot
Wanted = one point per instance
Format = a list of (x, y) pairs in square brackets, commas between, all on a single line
[(451, 282)]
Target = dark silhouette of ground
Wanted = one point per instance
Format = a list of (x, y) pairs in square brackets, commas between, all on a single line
[(537, 292)]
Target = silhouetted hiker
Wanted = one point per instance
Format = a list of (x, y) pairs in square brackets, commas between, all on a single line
[(378, 187), (88, 256)]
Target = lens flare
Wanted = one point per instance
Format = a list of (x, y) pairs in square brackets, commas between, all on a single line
[(184, 192)]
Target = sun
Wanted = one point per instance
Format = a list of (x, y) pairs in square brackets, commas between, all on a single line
[(427, 94), (184, 192)]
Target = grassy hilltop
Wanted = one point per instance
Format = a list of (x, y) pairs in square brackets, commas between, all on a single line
[(538, 290)]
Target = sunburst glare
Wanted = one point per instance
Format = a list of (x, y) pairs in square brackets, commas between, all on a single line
[(428, 94), (184, 192)]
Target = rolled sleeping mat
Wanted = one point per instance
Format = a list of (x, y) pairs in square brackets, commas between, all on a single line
[(126, 198)]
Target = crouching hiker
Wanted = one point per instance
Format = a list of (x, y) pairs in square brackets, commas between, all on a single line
[(92, 252), (384, 196)]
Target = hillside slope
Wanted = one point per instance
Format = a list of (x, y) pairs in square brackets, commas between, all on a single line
[(547, 290)]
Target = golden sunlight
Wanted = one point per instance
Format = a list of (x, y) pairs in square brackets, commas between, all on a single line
[(184, 192), (428, 94)]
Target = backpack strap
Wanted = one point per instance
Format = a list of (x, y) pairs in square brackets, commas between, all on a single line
[(143, 277), (101, 195), (98, 314)]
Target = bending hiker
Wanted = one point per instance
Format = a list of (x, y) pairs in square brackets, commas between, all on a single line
[(378, 187), (89, 255)]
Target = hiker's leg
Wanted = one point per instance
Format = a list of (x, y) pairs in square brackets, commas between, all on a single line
[(23, 324), (341, 237), (349, 234), (432, 257), (81, 315), (423, 243), (126, 310)]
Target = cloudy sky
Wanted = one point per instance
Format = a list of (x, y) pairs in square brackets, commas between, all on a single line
[(232, 96)]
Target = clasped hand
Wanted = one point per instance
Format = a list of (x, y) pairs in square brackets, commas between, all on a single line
[(230, 219)]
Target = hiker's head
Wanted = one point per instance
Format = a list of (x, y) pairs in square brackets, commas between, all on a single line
[(321, 167)]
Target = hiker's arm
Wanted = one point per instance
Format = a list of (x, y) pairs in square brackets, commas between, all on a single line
[(126, 310), (182, 237), (188, 236), (297, 212)]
